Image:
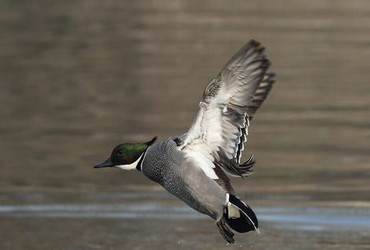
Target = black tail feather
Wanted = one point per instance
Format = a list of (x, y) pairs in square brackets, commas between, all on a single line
[(246, 221)]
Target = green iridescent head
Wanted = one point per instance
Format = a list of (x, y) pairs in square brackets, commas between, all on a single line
[(126, 155)]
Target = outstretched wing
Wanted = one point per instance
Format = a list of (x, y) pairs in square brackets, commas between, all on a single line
[(229, 101)]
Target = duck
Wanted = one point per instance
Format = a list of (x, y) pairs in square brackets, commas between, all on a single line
[(196, 166)]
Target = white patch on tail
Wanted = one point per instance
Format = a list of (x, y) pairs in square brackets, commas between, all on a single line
[(233, 211)]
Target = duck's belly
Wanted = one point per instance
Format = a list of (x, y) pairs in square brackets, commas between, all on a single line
[(167, 166), (198, 191)]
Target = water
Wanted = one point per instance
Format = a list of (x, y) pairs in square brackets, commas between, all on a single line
[(79, 77), (290, 218), (146, 218)]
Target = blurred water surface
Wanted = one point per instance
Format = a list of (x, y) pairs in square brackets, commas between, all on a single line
[(78, 77)]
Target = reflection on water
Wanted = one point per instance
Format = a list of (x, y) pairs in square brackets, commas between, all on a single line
[(157, 220), (78, 77), (288, 218), (317, 218), (116, 211)]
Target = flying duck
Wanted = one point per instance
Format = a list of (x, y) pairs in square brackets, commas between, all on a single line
[(195, 167)]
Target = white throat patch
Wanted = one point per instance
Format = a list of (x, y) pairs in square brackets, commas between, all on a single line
[(132, 165)]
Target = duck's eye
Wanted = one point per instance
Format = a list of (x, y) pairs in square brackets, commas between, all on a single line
[(120, 152)]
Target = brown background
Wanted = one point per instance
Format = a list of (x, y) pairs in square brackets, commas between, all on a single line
[(78, 77)]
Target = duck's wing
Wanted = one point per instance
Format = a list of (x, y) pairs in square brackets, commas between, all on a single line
[(229, 101)]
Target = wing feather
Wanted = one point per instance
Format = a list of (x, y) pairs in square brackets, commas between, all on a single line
[(218, 134)]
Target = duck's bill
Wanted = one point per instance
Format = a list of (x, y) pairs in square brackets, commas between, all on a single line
[(105, 164)]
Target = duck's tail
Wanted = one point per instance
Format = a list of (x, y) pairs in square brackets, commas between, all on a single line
[(239, 216)]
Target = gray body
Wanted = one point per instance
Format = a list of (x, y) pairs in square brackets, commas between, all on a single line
[(165, 164)]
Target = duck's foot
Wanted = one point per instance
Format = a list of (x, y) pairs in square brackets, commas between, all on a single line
[(225, 231)]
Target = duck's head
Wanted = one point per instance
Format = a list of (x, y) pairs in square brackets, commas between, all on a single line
[(127, 156)]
